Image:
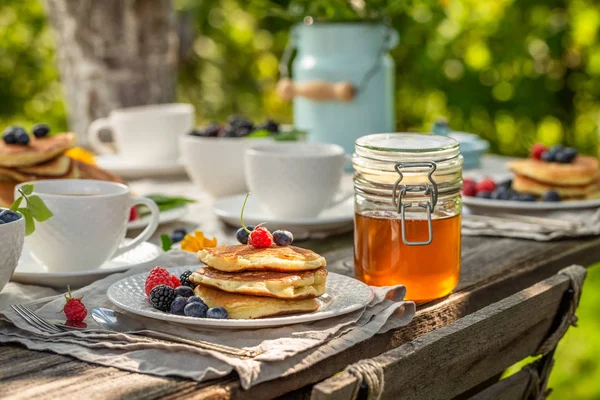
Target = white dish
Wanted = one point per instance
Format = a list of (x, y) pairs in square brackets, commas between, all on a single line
[(344, 295), (475, 203), (127, 168), (338, 218), (163, 218), (29, 271)]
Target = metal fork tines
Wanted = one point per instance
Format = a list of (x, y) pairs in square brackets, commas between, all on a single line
[(151, 336)]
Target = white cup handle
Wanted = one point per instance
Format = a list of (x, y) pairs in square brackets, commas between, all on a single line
[(150, 229), (93, 136)]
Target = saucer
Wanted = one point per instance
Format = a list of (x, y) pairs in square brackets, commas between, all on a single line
[(29, 271), (139, 169), (164, 217), (337, 219)]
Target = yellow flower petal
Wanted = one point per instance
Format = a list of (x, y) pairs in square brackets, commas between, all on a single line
[(197, 241)]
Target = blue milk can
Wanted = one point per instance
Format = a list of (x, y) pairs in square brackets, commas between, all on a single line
[(343, 80)]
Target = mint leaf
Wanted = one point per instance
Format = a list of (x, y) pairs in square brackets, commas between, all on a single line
[(259, 134), (38, 209), (290, 136), (16, 204), (29, 222), (27, 189), (166, 242)]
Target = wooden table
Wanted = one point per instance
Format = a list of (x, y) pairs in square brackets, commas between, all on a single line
[(492, 269)]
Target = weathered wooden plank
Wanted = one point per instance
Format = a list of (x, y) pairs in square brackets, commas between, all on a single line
[(511, 388), (23, 361), (447, 362)]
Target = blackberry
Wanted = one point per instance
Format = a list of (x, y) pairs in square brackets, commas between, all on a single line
[(269, 125), (211, 130), (162, 296), (238, 121), (40, 130), (185, 279)]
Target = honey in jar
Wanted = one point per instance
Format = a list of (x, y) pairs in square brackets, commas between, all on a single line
[(407, 213)]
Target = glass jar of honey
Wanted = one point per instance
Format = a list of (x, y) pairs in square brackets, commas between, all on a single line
[(407, 212)]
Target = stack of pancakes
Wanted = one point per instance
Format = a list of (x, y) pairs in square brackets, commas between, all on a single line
[(42, 158), (256, 283), (578, 180)]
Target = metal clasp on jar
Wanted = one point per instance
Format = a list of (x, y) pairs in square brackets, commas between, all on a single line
[(401, 190)]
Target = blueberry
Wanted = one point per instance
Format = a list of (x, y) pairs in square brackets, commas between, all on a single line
[(184, 291), (12, 133), (196, 309), (557, 148), (194, 299), (9, 216), (180, 230), (525, 197), (500, 193), (242, 236), (211, 130), (551, 195), (283, 238), (507, 184), (178, 305), (566, 156), (484, 194), (23, 139), (177, 237), (269, 125), (548, 156), (217, 313), (238, 121), (40, 130), (2, 222)]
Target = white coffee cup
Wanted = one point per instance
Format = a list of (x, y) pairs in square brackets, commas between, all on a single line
[(144, 133), (89, 223), (294, 180)]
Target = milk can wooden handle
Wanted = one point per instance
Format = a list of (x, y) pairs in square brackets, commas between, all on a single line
[(315, 90)]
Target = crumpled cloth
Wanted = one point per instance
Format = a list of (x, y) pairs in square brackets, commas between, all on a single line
[(287, 349), (540, 226)]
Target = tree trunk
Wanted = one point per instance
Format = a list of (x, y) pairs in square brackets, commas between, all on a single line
[(114, 53)]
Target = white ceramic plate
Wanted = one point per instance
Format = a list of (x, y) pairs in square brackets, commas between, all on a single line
[(31, 272), (164, 218), (344, 295), (477, 204), (136, 169), (336, 219)]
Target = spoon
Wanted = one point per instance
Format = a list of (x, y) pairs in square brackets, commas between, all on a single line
[(119, 322)]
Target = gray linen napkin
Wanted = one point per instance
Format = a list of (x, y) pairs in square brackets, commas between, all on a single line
[(286, 349), (544, 226)]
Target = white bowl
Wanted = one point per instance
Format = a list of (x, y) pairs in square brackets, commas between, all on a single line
[(217, 164), (12, 236)]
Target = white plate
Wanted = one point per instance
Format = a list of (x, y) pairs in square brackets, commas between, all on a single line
[(478, 204), (338, 218), (31, 272), (164, 218), (344, 295), (137, 169)]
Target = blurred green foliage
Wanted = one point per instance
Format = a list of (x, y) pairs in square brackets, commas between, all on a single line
[(512, 72)]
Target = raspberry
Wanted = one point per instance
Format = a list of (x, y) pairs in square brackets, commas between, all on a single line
[(537, 150), (74, 309), (487, 185), (175, 281), (133, 215), (160, 276), (260, 238), (469, 190)]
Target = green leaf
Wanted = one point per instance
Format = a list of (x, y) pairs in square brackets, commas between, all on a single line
[(16, 204), (290, 136), (166, 242), (38, 209), (29, 222), (27, 189), (161, 199), (259, 134)]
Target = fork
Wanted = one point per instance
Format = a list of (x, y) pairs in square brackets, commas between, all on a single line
[(51, 328)]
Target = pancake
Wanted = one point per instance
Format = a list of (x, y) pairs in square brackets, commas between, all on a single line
[(275, 258), (88, 171), (281, 285), (7, 195), (37, 152), (241, 306), (61, 167), (523, 184), (582, 171)]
